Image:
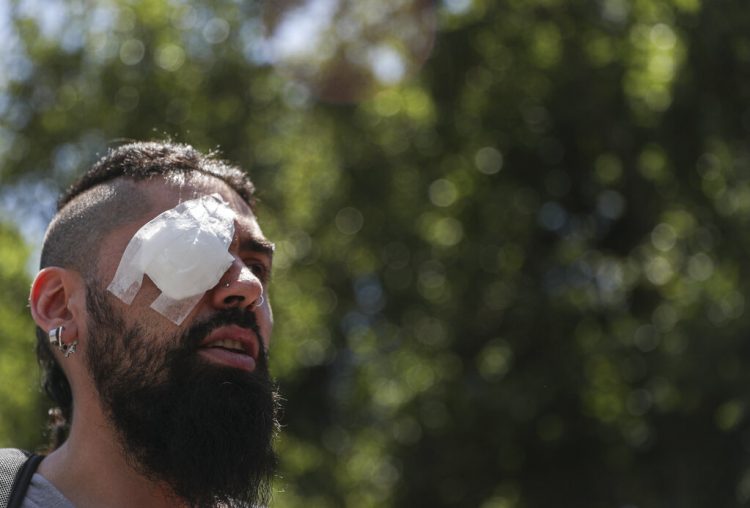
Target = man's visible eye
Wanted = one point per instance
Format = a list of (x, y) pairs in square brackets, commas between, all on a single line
[(260, 270)]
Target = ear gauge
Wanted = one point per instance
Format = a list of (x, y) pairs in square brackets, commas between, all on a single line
[(55, 339)]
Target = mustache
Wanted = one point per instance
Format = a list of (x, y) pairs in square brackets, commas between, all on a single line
[(194, 335)]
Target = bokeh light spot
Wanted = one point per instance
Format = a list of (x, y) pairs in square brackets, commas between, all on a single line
[(170, 57), (552, 216), (729, 415), (608, 168), (700, 267), (494, 360), (610, 204), (387, 64), (443, 192), (488, 160), (216, 31), (659, 270), (349, 220), (447, 231), (132, 52), (662, 37), (664, 237)]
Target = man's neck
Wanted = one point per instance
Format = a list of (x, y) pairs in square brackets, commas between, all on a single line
[(90, 470)]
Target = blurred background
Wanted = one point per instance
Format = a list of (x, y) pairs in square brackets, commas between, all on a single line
[(513, 235)]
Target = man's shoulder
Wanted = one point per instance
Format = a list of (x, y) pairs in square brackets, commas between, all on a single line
[(10, 455), (12, 462)]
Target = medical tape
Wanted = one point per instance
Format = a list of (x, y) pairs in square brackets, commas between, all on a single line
[(184, 251)]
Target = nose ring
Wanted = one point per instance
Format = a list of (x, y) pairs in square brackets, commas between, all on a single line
[(259, 302)]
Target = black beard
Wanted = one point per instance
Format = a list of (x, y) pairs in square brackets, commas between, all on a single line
[(204, 430)]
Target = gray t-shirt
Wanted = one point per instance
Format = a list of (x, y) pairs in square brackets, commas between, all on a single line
[(42, 494)]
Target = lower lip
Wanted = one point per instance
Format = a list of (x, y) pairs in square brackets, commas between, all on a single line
[(228, 358)]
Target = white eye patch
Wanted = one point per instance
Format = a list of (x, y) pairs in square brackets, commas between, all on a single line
[(185, 251)]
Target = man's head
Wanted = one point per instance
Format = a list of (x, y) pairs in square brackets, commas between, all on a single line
[(192, 404)]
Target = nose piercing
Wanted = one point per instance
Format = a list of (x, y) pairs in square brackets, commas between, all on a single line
[(258, 303)]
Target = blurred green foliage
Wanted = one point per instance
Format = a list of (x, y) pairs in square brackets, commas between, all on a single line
[(21, 410), (514, 279)]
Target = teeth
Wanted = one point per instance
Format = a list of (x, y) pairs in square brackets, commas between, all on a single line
[(229, 344)]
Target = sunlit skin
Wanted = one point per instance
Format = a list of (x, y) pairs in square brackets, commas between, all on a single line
[(247, 258), (89, 468)]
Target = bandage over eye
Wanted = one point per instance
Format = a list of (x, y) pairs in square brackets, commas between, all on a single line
[(185, 252)]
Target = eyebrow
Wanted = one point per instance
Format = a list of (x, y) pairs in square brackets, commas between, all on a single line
[(260, 245)]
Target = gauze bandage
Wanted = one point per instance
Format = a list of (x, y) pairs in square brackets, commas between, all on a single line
[(185, 252)]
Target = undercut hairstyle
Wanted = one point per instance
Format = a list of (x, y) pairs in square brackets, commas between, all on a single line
[(106, 197)]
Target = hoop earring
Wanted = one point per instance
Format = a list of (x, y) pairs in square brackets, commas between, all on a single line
[(55, 339)]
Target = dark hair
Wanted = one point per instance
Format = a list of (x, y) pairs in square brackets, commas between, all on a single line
[(102, 199)]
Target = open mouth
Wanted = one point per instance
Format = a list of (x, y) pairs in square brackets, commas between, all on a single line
[(232, 346), (229, 345)]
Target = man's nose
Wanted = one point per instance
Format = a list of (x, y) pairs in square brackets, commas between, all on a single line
[(239, 287)]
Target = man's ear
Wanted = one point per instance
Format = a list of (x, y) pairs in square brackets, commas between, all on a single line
[(57, 299)]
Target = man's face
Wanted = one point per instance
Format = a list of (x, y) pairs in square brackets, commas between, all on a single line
[(193, 405), (243, 286)]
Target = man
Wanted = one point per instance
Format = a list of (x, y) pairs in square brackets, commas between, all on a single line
[(153, 325)]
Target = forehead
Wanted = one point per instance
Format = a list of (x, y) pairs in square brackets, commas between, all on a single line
[(166, 194)]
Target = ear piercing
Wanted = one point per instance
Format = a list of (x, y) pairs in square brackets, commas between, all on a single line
[(55, 339)]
